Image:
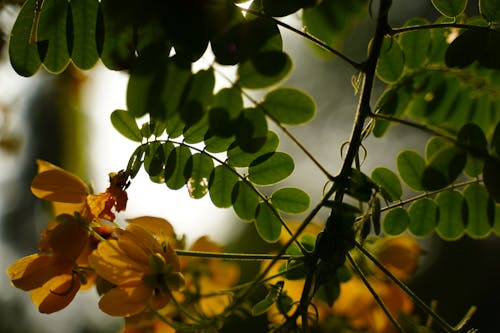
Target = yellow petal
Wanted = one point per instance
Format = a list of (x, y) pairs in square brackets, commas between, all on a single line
[(56, 294), (400, 255), (69, 238), (160, 228), (55, 184), (125, 301)]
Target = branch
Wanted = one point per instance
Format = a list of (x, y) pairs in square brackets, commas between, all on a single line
[(396, 31), (234, 256)]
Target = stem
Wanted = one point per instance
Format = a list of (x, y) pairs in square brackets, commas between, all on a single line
[(396, 31), (376, 296), (234, 256), (440, 321), (307, 36)]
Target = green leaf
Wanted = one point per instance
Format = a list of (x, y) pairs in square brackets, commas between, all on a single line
[(391, 62), (423, 215), (290, 200), (225, 110), (251, 130), (451, 8), (388, 181), (237, 157), (478, 204), (490, 9), (415, 44), (175, 168), (245, 201), (451, 206), (471, 137), (491, 177), (443, 168), (118, 49), (201, 167), (411, 167), (135, 161), (393, 102), (175, 82), (84, 13), (221, 184), (217, 144), (375, 215), (23, 54), (396, 221), (267, 224), (125, 124), (262, 306), (264, 69), (198, 94), (434, 145), (474, 45), (289, 106), (270, 168), (52, 33), (154, 159), (280, 8), (495, 141)]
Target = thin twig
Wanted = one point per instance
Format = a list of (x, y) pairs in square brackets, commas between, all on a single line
[(235, 256), (396, 31)]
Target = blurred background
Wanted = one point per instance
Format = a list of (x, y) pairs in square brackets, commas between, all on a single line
[(64, 119)]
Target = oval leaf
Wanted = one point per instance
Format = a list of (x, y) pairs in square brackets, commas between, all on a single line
[(264, 69), (135, 161), (490, 9), (201, 167), (175, 173), (391, 61), (270, 168), (267, 224), (451, 220), (251, 130), (444, 167), (491, 176), (84, 15), (478, 219), (423, 217), (289, 106), (415, 44), (396, 221), (221, 184), (389, 183), (245, 201), (290, 200), (237, 157), (451, 8), (124, 123), (410, 167)]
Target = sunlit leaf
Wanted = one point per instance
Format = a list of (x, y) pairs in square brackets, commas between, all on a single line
[(443, 168), (478, 204), (289, 106), (391, 62), (396, 221), (264, 69), (490, 9), (124, 123), (270, 168), (451, 222), (411, 167), (267, 224), (451, 8), (251, 130), (388, 181), (201, 167), (217, 144), (415, 44), (240, 158), (23, 53), (290, 200), (221, 184), (245, 201), (423, 217), (175, 174), (84, 14), (52, 35)]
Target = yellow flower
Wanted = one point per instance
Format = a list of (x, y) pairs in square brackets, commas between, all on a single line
[(143, 271), (52, 278)]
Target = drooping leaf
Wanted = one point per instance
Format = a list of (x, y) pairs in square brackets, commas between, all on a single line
[(270, 168), (423, 217), (23, 49), (443, 168), (125, 123), (245, 201), (84, 14), (478, 204), (290, 200), (389, 182), (154, 160), (375, 215), (391, 62), (267, 224), (415, 44), (490, 9), (251, 130), (451, 8), (221, 184), (396, 221), (135, 161), (52, 35), (411, 167), (175, 172), (491, 177), (200, 167), (264, 69), (237, 157), (289, 106), (451, 222)]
